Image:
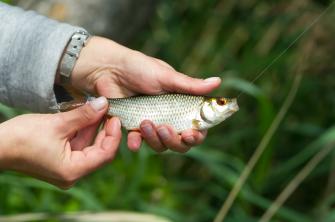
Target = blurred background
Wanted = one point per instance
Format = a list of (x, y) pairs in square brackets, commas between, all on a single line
[(293, 49)]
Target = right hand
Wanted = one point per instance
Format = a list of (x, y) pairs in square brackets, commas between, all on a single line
[(59, 148), (112, 70)]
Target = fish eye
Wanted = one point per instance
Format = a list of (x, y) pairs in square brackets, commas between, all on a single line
[(221, 101)]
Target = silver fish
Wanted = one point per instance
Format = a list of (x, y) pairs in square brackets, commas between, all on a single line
[(180, 111)]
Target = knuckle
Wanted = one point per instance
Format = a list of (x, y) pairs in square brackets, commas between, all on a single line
[(86, 113), (138, 53), (58, 121), (157, 145), (160, 149)]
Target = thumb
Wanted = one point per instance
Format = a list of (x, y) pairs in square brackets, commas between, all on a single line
[(173, 81), (85, 115)]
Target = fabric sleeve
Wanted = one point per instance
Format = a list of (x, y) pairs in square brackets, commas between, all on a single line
[(31, 46)]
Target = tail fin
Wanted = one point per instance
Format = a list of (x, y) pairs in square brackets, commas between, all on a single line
[(79, 98), (67, 106)]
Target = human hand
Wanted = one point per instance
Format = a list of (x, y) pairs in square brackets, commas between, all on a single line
[(109, 69), (58, 148)]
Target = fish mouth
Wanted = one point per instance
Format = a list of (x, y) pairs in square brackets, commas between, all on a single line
[(234, 106)]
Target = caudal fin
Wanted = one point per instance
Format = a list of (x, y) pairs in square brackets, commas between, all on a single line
[(67, 106)]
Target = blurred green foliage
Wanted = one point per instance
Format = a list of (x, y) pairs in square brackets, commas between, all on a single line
[(235, 40)]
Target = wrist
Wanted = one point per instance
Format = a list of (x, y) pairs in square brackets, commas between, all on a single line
[(10, 145), (70, 56), (99, 56)]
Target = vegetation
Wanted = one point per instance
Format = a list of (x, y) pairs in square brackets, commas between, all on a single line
[(238, 41)]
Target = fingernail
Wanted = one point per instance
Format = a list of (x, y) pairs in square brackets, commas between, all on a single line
[(98, 103), (212, 79), (189, 139), (147, 128), (163, 133)]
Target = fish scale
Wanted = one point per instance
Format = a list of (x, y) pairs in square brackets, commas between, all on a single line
[(178, 110)]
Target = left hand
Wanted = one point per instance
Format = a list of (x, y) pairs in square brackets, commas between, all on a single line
[(111, 70), (59, 148)]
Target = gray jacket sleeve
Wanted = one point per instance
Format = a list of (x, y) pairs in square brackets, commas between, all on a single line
[(31, 46)]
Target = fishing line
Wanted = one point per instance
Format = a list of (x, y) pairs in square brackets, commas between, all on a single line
[(260, 74)]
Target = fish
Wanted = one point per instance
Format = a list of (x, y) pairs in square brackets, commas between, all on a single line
[(181, 111)]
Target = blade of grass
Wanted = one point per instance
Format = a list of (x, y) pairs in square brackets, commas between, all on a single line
[(7, 112), (217, 163), (87, 199), (259, 150), (240, 84), (297, 180), (285, 213), (300, 158), (267, 137)]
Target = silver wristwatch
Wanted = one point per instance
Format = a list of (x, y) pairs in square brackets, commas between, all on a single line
[(78, 40)]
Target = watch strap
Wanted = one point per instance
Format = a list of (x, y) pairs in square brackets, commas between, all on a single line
[(78, 40)]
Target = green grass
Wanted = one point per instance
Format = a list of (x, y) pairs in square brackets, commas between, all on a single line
[(235, 40)]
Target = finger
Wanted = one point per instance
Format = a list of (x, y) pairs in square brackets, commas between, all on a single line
[(84, 137), (201, 137), (134, 140), (102, 151), (112, 134), (83, 116), (150, 135), (172, 81), (193, 137), (171, 139)]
